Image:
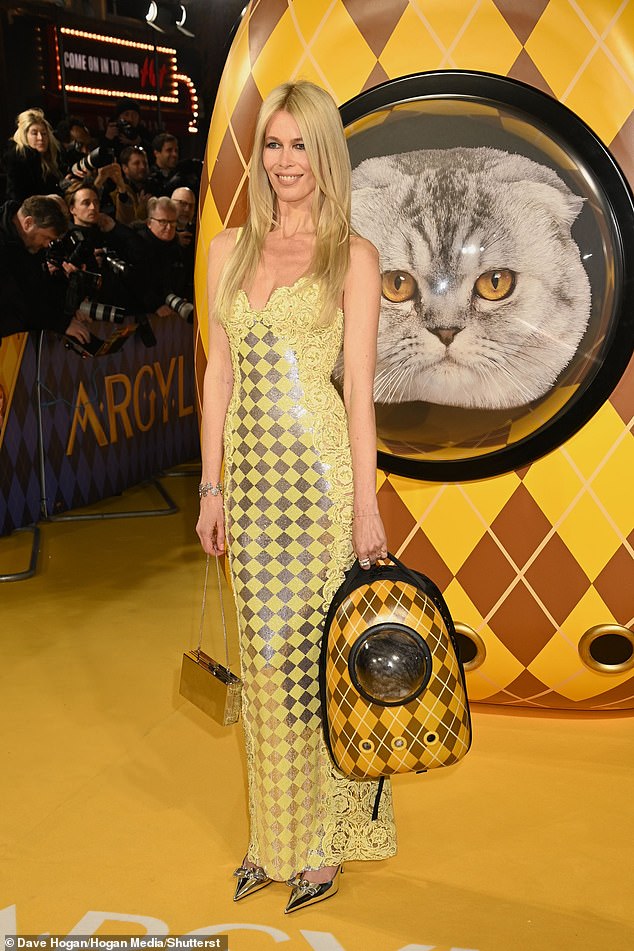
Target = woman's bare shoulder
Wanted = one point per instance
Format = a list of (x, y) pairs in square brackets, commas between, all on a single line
[(362, 252), (220, 247), (224, 240)]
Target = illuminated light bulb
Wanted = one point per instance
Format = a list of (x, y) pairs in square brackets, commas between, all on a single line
[(170, 51)]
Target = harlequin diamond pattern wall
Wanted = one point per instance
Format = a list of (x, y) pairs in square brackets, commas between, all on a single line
[(530, 559)]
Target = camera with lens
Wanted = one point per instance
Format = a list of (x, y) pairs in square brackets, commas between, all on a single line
[(183, 308), (116, 264), (93, 310), (126, 128), (95, 160), (81, 285), (84, 288), (73, 248)]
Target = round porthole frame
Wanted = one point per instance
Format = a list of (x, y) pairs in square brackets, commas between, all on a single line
[(592, 635), (481, 652), (619, 202), (399, 744), (358, 646)]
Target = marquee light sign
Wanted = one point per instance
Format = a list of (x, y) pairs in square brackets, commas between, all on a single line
[(96, 65), (193, 96)]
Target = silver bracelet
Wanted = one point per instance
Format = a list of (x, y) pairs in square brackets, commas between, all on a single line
[(208, 488)]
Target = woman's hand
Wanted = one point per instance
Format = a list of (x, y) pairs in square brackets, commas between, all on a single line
[(368, 539), (210, 527)]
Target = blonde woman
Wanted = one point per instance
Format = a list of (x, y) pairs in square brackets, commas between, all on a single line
[(32, 158), (299, 496)]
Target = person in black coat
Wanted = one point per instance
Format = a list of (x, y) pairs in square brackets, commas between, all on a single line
[(102, 240), (75, 141), (185, 201), (166, 152), (162, 271), (125, 128), (31, 299), (31, 161)]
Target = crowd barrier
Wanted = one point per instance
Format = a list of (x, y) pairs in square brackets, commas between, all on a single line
[(76, 430)]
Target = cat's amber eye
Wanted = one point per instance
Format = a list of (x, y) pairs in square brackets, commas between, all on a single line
[(398, 286), (495, 285)]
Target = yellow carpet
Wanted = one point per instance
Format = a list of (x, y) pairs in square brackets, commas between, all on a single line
[(121, 802)]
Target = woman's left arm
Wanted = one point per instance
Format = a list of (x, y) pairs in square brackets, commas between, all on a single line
[(361, 303)]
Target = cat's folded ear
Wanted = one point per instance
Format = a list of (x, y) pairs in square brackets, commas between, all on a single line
[(377, 172), (363, 201), (368, 181), (562, 204)]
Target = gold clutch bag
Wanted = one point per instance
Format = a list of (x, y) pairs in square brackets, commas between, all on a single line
[(209, 685)]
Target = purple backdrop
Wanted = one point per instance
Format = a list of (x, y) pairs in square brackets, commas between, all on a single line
[(108, 423)]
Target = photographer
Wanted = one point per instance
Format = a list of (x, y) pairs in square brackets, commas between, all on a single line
[(166, 153), (75, 140), (185, 201), (131, 187), (31, 300), (93, 167), (162, 287), (97, 244), (125, 128)]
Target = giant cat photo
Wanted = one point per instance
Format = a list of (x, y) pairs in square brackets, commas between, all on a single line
[(485, 298)]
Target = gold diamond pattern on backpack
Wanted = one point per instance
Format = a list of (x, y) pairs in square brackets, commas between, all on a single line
[(368, 739)]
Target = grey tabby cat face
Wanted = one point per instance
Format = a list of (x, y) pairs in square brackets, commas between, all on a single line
[(485, 298)]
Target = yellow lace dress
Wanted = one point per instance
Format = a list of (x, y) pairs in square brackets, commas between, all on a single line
[(288, 502)]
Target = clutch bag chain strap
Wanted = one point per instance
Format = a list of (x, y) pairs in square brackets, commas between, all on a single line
[(222, 610)]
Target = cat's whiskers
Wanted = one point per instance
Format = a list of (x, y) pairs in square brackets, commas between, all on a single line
[(490, 380), (399, 382), (493, 372), (543, 334), (383, 378), (385, 389), (390, 379), (518, 371), (382, 389)]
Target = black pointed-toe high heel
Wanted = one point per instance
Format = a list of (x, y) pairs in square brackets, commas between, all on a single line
[(250, 881), (307, 893)]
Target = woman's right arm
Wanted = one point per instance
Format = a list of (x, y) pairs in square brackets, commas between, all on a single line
[(217, 387)]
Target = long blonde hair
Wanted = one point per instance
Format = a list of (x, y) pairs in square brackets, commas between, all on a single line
[(49, 158), (319, 122)]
